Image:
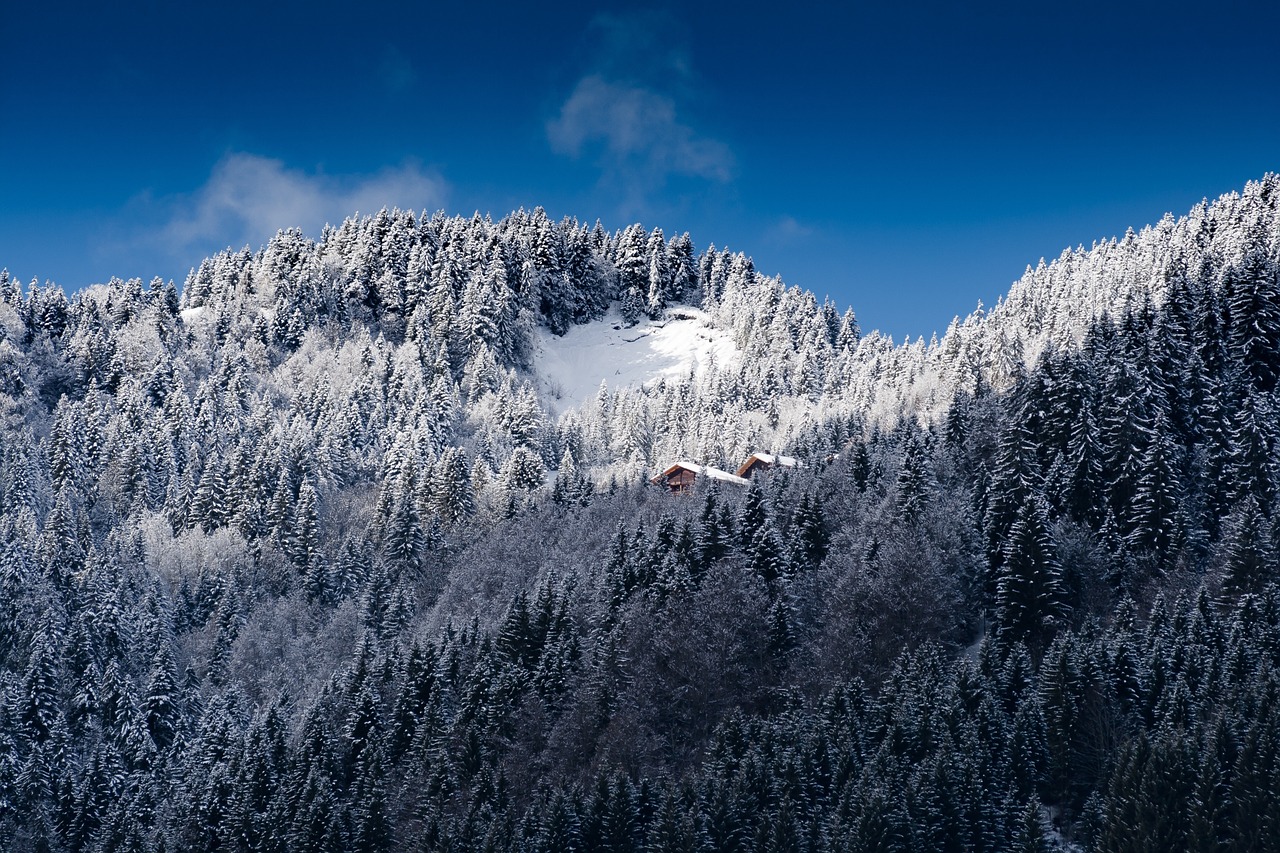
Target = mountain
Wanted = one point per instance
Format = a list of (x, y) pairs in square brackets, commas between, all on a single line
[(351, 545)]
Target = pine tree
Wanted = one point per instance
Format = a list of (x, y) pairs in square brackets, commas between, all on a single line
[(913, 485), (453, 499), (660, 285), (161, 704), (754, 515), (1154, 520), (1247, 556), (40, 706), (404, 541), (810, 528), (1084, 461), (1029, 602), (304, 547), (1252, 436), (1253, 297), (522, 471), (713, 538), (373, 829), (210, 505), (1125, 427), (1014, 480), (1030, 837), (65, 464), (767, 555), (683, 278)]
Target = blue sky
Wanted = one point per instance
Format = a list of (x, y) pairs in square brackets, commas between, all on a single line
[(908, 161)]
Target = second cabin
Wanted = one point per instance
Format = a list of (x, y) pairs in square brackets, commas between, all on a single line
[(763, 462)]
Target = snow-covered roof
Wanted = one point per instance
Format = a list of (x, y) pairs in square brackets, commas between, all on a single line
[(769, 459), (717, 474), (773, 459), (701, 471)]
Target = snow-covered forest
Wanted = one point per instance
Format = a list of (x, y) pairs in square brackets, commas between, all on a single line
[(319, 553)]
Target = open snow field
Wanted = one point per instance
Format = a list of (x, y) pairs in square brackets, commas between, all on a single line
[(571, 368)]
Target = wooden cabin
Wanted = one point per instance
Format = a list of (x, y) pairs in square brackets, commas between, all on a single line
[(763, 462), (681, 476)]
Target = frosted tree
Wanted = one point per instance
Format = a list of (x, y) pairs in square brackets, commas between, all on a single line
[(522, 471), (1029, 596), (1154, 521), (452, 488), (1248, 558), (304, 546), (1253, 299), (660, 278)]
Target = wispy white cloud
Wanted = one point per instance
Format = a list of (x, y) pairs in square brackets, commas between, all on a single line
[(638, 130), (630, 111), (248, 198)]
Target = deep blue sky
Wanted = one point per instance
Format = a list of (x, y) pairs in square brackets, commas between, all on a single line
[(907, 159)]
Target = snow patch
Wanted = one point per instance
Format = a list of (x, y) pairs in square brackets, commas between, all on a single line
[(190, 314), (571, 368)]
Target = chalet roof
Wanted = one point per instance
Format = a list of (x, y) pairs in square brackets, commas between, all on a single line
[(768, 459), (701, 471)]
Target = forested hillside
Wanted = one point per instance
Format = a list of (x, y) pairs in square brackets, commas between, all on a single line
[(299, 559)]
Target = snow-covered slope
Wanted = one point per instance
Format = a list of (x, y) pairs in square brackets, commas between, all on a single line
[(570, 368)]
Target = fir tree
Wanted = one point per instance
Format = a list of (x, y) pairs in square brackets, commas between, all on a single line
[(913, 480), (1029, 602), (1247, 555), (161, 705)]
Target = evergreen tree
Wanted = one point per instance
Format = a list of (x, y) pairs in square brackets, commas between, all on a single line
[(161, 705), (913, 480), (306, 531), (1029, 602), (1154, 521), (1015, 479), (1250, 460), (453, 499), (1253, 299), (1031, 835), (40, 700), (1247, 556), (1084, 462), (754, 515)]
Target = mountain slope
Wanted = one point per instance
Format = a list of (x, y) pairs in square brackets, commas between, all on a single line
[(341, 550)]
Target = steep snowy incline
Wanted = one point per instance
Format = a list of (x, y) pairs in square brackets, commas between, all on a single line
[(570, 368)]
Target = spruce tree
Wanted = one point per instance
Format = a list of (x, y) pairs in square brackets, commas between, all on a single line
[(161, 705), (1154, 518), (1247, 556), (1029, 604), (1014, 480), (913, 486), (1253, 300)]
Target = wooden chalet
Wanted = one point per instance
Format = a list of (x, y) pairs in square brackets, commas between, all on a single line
[(681, 476), (763, 462)]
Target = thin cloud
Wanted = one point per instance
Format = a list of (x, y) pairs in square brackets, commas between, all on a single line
[(638, 132), (396, 71), (248, 198), (626, 111), (787, 230), (646, 46)]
